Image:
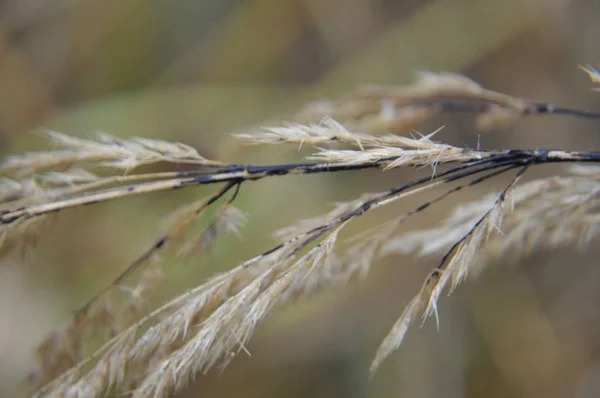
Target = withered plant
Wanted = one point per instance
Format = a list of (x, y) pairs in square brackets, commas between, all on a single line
[(158, 353)]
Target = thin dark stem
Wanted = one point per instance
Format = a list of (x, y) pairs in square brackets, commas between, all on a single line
[(555, 110), (478, 105), (239, 174), (315, 233), (160, 243)]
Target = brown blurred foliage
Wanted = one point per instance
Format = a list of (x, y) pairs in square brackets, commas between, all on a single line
[(195, 70)]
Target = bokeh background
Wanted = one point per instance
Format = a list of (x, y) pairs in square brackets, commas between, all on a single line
[(196, 70)]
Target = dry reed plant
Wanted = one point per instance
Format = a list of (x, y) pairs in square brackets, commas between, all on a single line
[(158, 353)]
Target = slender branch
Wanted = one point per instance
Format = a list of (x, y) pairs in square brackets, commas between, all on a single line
[(251, 173), (555, 110), (477, 105), (393, 194), (160, 243), (501, 198)]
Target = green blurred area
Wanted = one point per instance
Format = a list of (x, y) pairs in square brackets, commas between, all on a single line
[(196, 70)]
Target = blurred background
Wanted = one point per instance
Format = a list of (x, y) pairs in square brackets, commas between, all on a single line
[(196, 70)]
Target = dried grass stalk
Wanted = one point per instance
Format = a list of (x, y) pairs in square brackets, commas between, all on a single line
[(158, 353)]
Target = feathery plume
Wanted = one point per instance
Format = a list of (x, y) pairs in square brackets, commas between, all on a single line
[(104, 150)]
